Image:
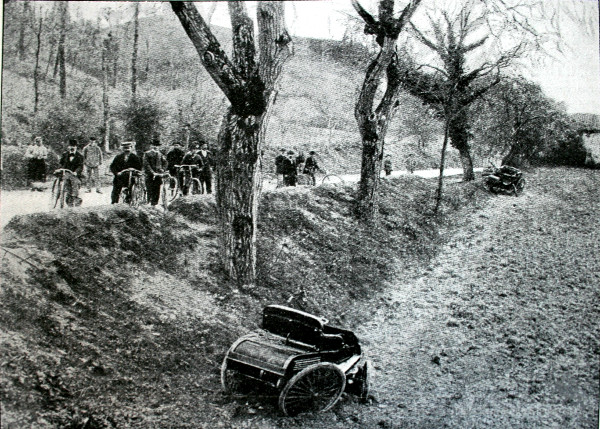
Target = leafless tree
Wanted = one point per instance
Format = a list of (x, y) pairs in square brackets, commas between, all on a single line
[(134, 55), (249, 81), (60, 58), (374, 116)]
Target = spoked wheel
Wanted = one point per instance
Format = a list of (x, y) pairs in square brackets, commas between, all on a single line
[(56, 195), (196, 187), (231, 381), (332, 178), (137, 195), (363, 380), (316, 388), (519, 186), (164, 201), (173, 188)]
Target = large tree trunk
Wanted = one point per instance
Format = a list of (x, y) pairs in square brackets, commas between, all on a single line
[(134, 55), (373, 120), (23, 23), (250, 86), (459, 137)]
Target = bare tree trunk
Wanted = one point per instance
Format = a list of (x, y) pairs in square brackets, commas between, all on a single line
[(373, 119), (105, 105), (115, 60), (459, 137), (62, 67), (134, 55), (21, 42), (250, 86), (438, 197), (36, 79)]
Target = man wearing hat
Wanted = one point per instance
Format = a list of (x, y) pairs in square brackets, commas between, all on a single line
[(73, 161), (92, 158), (279, 160), (123, 161), (289, 171), (155, 167)]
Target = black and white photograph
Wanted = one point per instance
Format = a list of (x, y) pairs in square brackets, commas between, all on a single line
[(316, 214)]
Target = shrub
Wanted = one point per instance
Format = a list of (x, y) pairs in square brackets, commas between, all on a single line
[(14, 167), (142, 121)]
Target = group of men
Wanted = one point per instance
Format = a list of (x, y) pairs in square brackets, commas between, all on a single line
[(287, 164), (155, 166)]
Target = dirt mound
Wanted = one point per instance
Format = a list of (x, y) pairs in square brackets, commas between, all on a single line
[(115, 317)]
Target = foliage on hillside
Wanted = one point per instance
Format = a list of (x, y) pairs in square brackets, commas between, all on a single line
[(116, 308)]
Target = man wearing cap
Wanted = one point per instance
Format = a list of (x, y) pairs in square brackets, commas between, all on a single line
[(190, 158), (155, 167), (387, 165), (311, 166), (206, 162), (279, 161), (123, 161), (174, 157), (92, 158), (73, 161)]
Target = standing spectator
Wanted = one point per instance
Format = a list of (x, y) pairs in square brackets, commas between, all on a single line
[(123, 161), (311, 166), (279, 161), (290, 173), (387, 165), (36, 154), (72, 160), (155, 167), (410, 163), (92, 159), (206, 164)]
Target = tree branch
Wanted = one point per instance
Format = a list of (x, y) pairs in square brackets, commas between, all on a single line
[(243, 39), (212, 56)]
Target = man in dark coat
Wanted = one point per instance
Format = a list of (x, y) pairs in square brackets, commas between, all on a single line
[(155, 167), (290, 173), (73, 161), (123, 161), (174, 157), (279, 161), (206, 164), (311, 166)]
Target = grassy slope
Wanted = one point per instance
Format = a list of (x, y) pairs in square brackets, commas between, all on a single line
[(314, 89), (125, 317)]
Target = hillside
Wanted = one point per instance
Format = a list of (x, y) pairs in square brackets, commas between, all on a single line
[(122, 317), (113, 317), (314, 108)]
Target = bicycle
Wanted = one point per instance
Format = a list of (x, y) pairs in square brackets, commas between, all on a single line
[(134, 193), (189, 182), (58, 194), (166, 184)]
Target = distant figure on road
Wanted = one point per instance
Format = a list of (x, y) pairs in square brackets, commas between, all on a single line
[(123, 161), (72, 160), (92, 159), (289, 171), (410, 163), (311, 166), (387, 165), (35, 155), (155, 166), (279, 160)]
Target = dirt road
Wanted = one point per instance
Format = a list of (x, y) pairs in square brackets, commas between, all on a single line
[(500, 330)]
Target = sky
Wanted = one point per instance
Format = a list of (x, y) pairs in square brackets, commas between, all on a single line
[(572, 77)]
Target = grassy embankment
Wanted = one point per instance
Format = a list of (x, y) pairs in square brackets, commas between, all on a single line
[(121, 316)]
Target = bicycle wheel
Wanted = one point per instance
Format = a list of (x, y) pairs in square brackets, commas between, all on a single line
[(173, 188), (135, 198), (164, 201), (54, 193), (61, 194), (196, 187), (332, 178)]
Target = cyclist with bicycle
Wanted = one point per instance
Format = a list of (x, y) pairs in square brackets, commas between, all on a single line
[(73, 161), (155, 167), (123, 161)]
